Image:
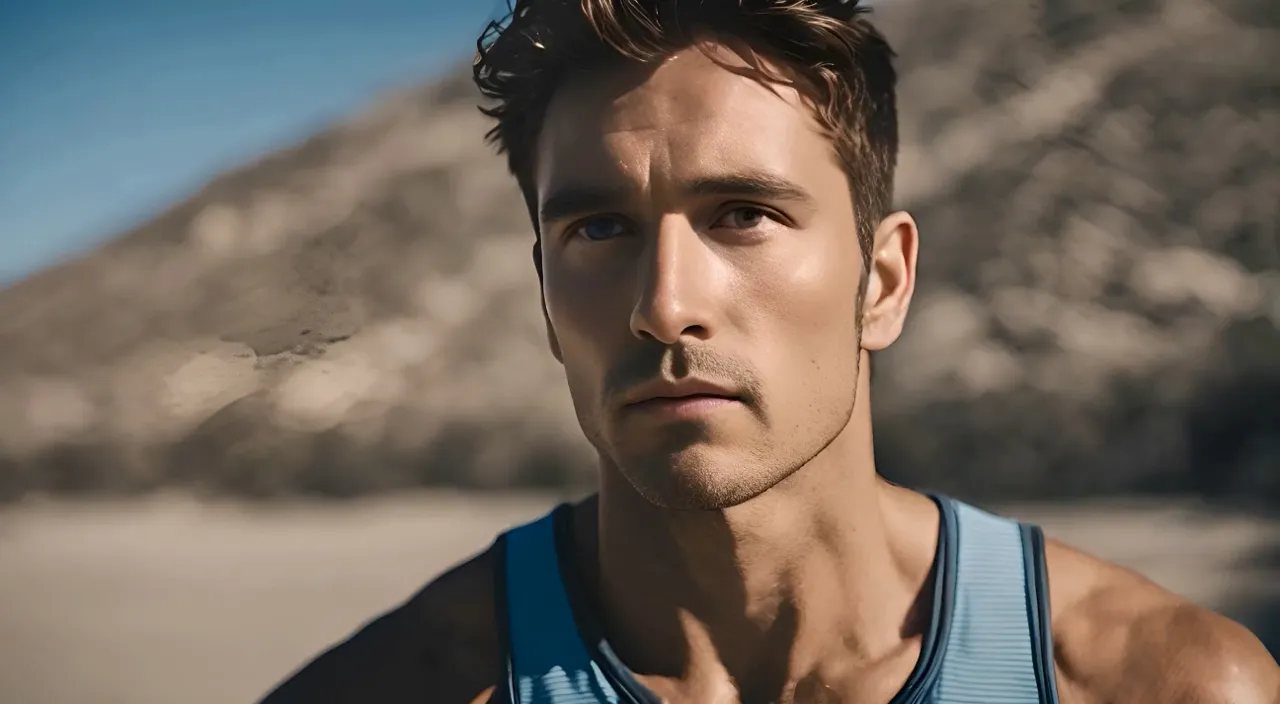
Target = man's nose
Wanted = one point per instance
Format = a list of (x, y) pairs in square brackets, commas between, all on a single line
[(675, 285)]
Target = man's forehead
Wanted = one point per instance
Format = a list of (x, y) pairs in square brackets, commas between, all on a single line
[(689, 107), (695, 82)]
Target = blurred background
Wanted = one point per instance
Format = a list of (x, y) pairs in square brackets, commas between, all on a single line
[(271, 354)]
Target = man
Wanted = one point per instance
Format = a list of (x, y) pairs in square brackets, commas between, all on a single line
[(710, 183)]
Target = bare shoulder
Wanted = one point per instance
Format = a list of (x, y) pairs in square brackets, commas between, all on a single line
[(1119, 637), (442, 645)]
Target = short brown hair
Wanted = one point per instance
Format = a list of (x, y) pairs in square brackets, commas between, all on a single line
[(839, 61)]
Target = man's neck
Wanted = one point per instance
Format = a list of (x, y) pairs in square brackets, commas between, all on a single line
[(815, 579)]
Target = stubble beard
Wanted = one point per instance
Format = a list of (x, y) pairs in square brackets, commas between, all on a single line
[(698, 482)]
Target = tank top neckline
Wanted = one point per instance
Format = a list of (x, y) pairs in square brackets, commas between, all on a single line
[(914, 690)]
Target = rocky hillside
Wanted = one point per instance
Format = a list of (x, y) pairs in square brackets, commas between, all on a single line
[(1099, 305)]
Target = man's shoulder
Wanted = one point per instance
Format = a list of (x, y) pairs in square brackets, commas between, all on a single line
[(442, 645), (1120, 637)]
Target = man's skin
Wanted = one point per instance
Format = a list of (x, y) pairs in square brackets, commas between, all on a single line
[(695, 222)]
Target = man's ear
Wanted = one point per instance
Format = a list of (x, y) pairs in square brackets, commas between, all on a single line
[(552, 341), (891, 280)]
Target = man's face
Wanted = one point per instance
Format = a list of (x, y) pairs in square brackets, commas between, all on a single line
[(701, 273)]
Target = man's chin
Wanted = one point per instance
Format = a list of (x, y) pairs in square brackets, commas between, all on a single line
[(697, 478)]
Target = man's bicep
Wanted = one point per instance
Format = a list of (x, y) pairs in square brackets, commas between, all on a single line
[(1210, 658), (1244, 671)]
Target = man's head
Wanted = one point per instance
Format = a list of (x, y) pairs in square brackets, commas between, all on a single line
[(709, 181)]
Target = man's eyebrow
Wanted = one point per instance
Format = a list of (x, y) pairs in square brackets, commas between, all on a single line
[(752, 184), (567, 201), (570, 200)]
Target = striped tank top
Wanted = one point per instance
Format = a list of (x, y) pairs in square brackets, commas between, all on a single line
[(988, 641)]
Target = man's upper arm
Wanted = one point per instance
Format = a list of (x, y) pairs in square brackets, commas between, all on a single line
[(1138, 646), (440, 646), (1118, 637), (1213, 659)]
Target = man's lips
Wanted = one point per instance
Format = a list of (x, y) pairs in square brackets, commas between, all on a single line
[(686, 406), (668, 390)]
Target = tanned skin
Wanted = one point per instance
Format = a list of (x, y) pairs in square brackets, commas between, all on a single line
[(695, 223)]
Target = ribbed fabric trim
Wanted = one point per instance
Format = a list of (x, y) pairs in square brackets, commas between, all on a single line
[(989, 656), (549, 662)]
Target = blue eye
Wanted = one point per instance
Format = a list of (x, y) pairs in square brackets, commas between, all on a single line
[(598, 229)]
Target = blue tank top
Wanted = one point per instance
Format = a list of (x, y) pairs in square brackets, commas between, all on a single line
[(988, 641)]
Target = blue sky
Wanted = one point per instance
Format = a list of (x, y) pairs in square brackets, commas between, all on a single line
[(109, 111)]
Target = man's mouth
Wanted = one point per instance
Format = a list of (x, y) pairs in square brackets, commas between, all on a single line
[(687, 406)]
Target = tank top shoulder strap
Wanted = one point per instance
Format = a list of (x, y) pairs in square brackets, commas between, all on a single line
[(547, 661), (999, 648)]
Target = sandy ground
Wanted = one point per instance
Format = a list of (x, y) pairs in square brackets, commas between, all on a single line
[(170, 600)]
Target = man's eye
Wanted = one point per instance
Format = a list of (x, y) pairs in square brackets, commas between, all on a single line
[(598, 229), (743, 218)]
